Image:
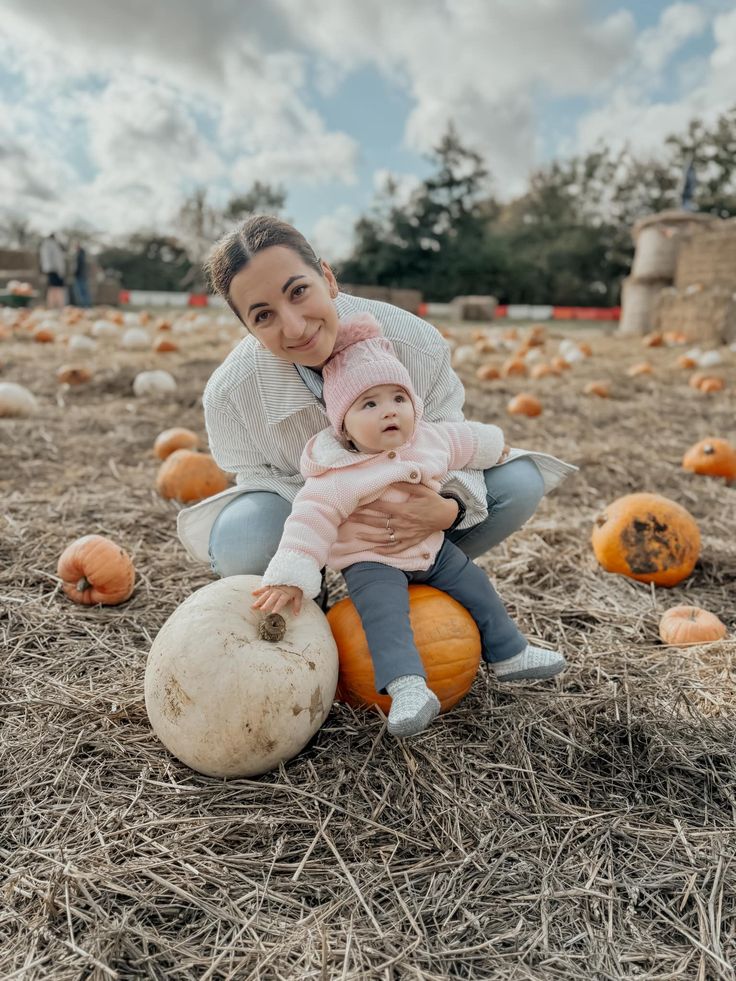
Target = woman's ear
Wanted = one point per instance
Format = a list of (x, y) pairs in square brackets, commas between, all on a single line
[(330, 278)]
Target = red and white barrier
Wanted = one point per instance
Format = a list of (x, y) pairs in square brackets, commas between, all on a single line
[(154, 298)]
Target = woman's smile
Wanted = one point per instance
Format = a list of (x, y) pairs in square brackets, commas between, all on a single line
[(307, 344)]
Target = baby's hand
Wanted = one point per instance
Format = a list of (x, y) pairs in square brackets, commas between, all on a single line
[(272, 599)]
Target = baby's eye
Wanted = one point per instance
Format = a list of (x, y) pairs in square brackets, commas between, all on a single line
[(368, 405), (399, 398)]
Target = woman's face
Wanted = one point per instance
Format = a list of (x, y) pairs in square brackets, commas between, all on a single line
[(287, 305)]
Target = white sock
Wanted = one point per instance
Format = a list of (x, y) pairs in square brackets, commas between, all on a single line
[(532, 662), (413, 705)]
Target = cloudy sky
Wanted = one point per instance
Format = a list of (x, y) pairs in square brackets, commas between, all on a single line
[(111, 112)]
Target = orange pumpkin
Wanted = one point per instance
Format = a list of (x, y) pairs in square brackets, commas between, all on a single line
[(95, 570), (446, 636), (174, 439), (641, 368), (674, 337), (69, 374), (655, 339), (487, 372), (599, 388), (709, 385), (188, 476), (585, 349), (560, 364), (695, 381), (713, 457), (543, 370), (683, 626), (685, 361), (524, 404), (647, 537), (164, 345), (42, 335), (513, 366)]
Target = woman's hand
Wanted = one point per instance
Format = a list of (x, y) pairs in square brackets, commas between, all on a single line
[(410, 522), (273, 599), (504, 454)]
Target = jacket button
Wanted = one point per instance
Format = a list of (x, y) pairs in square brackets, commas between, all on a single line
[(391, 454), (425, 555), (413, 475)]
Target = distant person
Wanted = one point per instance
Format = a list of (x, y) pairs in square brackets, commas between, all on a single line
[(53, 265), (80, 288)]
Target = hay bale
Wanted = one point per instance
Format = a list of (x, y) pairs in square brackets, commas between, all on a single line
[(406, 299), (637, 306), (707, 257), (658, 238), (701, 314), (474, 307)]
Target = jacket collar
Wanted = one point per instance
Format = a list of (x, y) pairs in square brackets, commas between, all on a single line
[(281, 388)]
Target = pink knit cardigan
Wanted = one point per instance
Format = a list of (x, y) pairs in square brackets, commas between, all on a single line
[(337, 481)]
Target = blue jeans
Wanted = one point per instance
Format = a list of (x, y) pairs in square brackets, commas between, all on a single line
[(81, 292), (246, 534)]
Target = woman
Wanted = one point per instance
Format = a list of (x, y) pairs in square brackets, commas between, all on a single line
[(263, 404)]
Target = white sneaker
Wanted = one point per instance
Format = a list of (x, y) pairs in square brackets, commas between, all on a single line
[(413, 705), (529, 664)]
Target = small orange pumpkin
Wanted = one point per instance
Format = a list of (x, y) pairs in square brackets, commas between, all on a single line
[(188, 476), (487, 372), (170, 440), (683, 626), (647, 537), (708, 385), (713, 457), (585, 349), (560, 364), (41, 335), (513, 366), (695, 380), (599, 388), (446, 636), (524, 404), (655, 339), (641, 368), (69, 374), (685, 361), (95, 570), (164, 345), (543, 370)]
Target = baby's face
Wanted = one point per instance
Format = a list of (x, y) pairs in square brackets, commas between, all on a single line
[(382, 418)]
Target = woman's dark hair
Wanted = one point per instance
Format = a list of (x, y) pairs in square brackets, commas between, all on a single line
[(235, 250)]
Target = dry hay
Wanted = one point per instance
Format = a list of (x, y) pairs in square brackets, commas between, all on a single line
[(577, 829)]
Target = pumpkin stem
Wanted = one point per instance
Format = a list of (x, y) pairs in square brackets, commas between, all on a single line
[(272, 627), (83, 585)]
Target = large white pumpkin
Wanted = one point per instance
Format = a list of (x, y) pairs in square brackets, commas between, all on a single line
[(228, 703)]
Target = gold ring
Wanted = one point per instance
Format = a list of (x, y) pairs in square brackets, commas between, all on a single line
[(392, 538)]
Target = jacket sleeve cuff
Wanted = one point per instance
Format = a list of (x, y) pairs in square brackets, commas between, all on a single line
[(489, 443), (289, 568)]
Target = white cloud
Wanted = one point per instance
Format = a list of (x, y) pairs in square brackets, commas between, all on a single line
[(332, 235), (637, 114)]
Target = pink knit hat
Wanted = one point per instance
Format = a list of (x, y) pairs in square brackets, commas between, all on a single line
[(361, 359)]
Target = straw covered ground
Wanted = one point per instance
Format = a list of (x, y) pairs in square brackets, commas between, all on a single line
[(575, 829)]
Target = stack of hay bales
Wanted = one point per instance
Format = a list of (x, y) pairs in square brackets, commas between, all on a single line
[(702, 303), (657, 239)]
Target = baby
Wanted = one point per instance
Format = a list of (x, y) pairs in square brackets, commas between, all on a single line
[(378, 438)]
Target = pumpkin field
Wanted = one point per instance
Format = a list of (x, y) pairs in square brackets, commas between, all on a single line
[(578, 828)]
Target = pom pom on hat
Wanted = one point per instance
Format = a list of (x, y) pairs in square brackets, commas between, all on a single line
[(361, 359)]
